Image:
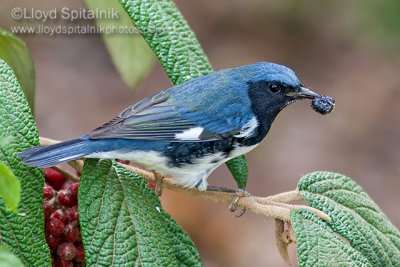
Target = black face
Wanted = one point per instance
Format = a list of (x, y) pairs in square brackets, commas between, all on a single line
[(268, 98)]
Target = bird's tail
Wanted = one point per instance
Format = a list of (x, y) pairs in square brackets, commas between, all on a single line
[(47, 156)]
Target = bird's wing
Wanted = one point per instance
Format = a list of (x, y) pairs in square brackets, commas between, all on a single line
[(155, 118)]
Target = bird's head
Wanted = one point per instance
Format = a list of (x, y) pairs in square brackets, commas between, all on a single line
[(271, 87)]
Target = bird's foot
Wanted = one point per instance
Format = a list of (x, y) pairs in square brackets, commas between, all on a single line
[(158, 188), (233, 205), (238, 194)]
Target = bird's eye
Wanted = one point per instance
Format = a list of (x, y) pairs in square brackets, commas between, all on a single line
[(274, 88)]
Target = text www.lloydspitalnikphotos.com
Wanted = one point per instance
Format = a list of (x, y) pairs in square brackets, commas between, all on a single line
[(72, 30)]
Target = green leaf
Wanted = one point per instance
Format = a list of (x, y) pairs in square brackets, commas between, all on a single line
[(318, 245), (129, 52), (23, 234), (123, 224), (10, 188), (238, 167), (17, 55), (7, 259), (176, 47), (170, 37), (354, 216)]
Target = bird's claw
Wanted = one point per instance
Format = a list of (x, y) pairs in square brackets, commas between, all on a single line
[(238, 194), (233, 205), (241, 213)]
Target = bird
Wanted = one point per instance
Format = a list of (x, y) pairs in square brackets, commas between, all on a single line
[(190, 129)]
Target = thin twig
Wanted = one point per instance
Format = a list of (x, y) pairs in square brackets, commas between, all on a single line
[(77, 165), (67, 174), (273, 206), (44, 141)]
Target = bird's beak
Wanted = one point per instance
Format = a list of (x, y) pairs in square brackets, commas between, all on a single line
[(303, 92)]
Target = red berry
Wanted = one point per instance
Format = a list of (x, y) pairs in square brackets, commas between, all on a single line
[(58, 262), (72, 232), (66, 184), (54, 178), (153, 186), (53, 241), (54, 226), (74, 191), (61, 215), (66, 251), (80, 253), (48, 209), (48, 192), (65, 198), (72, 213)]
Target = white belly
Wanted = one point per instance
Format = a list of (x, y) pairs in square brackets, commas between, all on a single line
[(188, 175)]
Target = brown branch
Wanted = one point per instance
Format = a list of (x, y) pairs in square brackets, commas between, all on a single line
[(286, 197), (44, 141), (273, 206), (67, 174)]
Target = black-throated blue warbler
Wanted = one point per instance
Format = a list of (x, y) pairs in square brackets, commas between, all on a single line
[(189, 130)]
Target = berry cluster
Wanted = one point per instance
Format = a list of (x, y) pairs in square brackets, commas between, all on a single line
[(63, 234)]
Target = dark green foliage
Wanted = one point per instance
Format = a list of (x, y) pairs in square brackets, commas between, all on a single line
[(23, 232), (354, 216), (123, 223)]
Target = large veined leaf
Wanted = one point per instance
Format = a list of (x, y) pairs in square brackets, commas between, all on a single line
[(354, 216), (16, 54), (319, 245), (179, 52), (128, 50), (23, 233), (123, 223)]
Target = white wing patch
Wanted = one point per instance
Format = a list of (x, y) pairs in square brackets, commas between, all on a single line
[(190, 134), (248, 129)]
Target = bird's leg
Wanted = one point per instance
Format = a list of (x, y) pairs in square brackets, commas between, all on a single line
[(158, 188), (238, 194)]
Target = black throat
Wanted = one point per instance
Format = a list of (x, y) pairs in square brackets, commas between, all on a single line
[(264, 108)]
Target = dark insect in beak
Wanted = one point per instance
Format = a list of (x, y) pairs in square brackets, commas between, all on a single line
[(321, 104)]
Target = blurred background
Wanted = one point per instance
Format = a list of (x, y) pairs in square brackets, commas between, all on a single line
[(345, 49)]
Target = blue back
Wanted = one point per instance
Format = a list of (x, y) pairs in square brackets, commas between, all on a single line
[(224, 94)]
